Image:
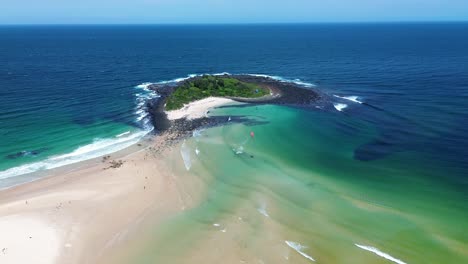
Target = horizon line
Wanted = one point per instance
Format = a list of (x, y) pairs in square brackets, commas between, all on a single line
[(240, 23)]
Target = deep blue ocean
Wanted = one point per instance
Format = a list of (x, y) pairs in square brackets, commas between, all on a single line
[(68, 93)]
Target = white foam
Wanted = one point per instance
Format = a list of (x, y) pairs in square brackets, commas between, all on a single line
[(123, 134), (197, 151), (98, 148), (298, 248), (278, 78), (181, 79), (197, 133), (281, 79), (141, 100), (351, 98), (144, 85), (380, 253), (339, 106), (238, 150), (263, 211)]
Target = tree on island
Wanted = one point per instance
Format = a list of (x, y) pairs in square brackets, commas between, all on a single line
[(209, 85)]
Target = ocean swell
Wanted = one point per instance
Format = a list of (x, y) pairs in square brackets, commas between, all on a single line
[(96, 149), (100, 146)]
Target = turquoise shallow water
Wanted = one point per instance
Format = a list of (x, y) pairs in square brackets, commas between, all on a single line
[(297, 181)]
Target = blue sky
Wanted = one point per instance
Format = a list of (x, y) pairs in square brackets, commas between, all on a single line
[(227, 11)]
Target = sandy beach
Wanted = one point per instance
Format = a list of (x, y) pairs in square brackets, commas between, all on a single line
[(198, 109), (76, 216), (59, 218)]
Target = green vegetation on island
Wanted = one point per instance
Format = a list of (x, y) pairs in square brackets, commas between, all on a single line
[(208, 85)]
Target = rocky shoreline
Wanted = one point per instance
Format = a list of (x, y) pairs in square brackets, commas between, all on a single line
[(281, 93)]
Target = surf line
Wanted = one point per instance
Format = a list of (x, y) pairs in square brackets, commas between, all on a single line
[(349, 98), (298, 248), (380, 253)]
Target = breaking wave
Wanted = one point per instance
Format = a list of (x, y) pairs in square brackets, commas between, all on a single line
[(274, 77), (298, 248), (281, 79), (100, 146), (96, 149), (352, 98), (380, 253), (142, 98), (340, 107)]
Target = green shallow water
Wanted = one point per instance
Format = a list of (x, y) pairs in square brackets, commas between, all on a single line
[(297, 181)]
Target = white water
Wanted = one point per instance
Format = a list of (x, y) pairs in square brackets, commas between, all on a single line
[(298, 248), (380, 253), (96, 149), (238, 150), (349, 98), (123, 134), (281, 79), (141, 98), (278, 78), (340, 107), (262, 209)]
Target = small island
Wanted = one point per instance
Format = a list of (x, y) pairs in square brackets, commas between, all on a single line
[(183, 106)]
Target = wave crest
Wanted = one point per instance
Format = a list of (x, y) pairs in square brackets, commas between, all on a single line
[(96, 149), (298, 248), (351, 98), (340, 107), (380, 253)]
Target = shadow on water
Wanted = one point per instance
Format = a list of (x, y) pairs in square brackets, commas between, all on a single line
[(26, 153)]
